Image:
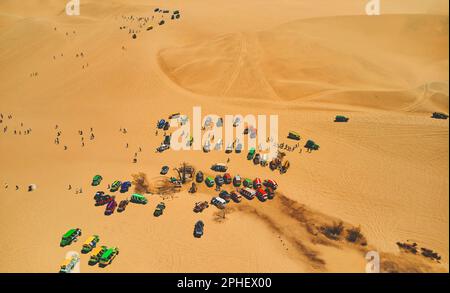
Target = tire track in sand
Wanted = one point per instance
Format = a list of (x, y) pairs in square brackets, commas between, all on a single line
[(238, 65)]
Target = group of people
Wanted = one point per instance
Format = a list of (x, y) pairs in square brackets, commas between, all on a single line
[(136, 23), (31, 187), (142, 21), (127, 145), (7, 186), (78, 190), (67, 33), (54, 56), (136, 155), (80, 132), (16, 132), (286, 147), (83, 135), (81, 54)]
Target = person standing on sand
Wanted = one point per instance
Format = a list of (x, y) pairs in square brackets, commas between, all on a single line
[(70, 187), (65, 148), (17, 187), (92, 136), (6, 185)]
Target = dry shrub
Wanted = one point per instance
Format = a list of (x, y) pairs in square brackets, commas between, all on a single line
[(141, 183), (333, 231), (354, 235)]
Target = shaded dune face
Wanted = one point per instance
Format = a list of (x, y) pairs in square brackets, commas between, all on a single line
[(225, 66), (326, 59)]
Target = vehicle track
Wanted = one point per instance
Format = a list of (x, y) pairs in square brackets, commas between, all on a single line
[(238, 65)]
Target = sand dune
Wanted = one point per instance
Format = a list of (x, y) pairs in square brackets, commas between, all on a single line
[(309, 58), (424, 99), (386, 171)]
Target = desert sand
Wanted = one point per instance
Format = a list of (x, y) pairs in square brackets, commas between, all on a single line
[(386, 171)]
